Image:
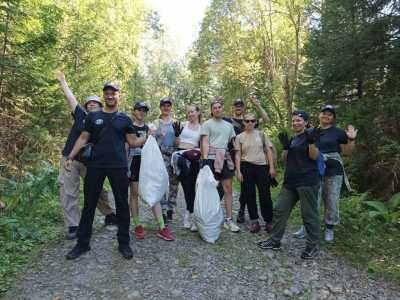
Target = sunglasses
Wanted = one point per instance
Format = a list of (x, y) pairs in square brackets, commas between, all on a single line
[(248, 121)]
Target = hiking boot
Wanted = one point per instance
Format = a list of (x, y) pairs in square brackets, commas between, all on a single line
[(229, 225), (193, 228), (139, 232), (77, 251), (269, 244), (187, 220), (329, 236), (110, 219), (126, 251), (72, 232), (310, 252), (299, 234), (255, 227), (166, 234), (268, 227), (240, 217)]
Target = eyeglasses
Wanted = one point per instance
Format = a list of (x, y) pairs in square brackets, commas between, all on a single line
[(248, 121)]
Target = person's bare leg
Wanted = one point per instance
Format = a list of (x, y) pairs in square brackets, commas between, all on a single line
[(227, 185), (134, 203), (157, 212)]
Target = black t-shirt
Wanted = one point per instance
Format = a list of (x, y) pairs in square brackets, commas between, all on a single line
[(109, 146), (79, 116), (140, 131), (238, 124), (300, 170), (330, 141)]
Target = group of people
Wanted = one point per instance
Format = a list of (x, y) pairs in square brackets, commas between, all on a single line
[(229, 146)]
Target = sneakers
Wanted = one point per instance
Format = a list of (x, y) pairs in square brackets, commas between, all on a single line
[(110, 219), (255, 227), (269, 244), (187, 222), (193, 228), (329, 235), (77, 251), (268, 227), (72, 232), (139, 232), (126, 251), (229, 225), (310, 252), (240, 217), (166, 234), (299, 234)]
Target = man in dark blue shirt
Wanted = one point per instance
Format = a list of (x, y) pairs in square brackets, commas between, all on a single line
[(108, 130), (70, 181)]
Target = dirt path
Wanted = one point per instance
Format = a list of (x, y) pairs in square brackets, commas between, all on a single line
[(189, 268)]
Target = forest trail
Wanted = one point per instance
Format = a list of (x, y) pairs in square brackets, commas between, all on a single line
[(233, 268)]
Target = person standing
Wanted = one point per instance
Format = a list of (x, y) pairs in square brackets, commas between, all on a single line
[(109, 130), (141, 130), (332, 143), (301, 183), (254, 166), (70, 181), (166, 132), (216, 133)]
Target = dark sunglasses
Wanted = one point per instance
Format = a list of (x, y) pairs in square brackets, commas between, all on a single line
[(252, 121)]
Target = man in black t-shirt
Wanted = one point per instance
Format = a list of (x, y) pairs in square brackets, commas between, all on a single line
[(108, 130), (70, 181)]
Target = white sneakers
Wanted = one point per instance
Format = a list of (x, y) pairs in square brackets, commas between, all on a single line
[(300, 234), (229, 225), (329, 235), (193, 228), (187, 220)]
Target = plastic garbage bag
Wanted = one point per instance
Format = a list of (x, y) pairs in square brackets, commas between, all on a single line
[(153, 176), (208, 215)]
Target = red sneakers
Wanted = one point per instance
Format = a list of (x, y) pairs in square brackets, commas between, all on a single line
[(166, 234), (139, 232)]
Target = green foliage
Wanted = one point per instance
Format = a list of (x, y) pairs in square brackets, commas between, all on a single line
[(387, 211), (30, 219)]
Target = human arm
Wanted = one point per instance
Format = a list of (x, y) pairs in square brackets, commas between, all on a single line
[(204, 146), (80, 142), (134, 141), (238, 155), (67, 91), (270, 161), (264, 116), (351, 134)]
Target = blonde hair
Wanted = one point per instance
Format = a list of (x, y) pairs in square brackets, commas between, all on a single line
[(196, 107)]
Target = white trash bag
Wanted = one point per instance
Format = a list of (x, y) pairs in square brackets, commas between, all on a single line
[(208, 215), (153, 176)]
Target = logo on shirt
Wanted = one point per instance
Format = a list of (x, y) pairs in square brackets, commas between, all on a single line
[(99, 121)]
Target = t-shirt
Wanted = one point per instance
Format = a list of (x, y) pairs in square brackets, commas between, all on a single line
[(109, 147), (300, 170), (166, 141), (330, 141), (79, 116), (238, 124), (253, 147), (219, 133), (140, 131)]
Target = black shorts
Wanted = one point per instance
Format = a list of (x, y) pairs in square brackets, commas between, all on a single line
[(135, 168), (226, 173)]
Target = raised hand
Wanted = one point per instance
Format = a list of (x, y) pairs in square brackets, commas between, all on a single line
[(312, 135), (177, 128), (284, 140), (254, 100), (60, 76), (351, 132)]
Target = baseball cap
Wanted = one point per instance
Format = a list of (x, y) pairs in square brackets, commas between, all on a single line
[(302, 114), (329, 107), (111, 85), (165, 100), (93, 98), (141, 104), (238, 102)]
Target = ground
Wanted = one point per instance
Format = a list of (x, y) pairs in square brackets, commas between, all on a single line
[(189, 268)]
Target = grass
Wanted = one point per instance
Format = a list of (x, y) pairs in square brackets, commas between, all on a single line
[(371, 244)]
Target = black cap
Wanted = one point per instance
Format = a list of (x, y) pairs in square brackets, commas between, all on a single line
[(302, 114), (165, 100), (329, 107), (238, 102), (141, 104), (111, 85)]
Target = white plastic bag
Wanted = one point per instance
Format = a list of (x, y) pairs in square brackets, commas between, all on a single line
[(153, 176), (208, 214)]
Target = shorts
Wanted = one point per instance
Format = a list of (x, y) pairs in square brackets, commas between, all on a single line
[(226, 173), (135, 168)]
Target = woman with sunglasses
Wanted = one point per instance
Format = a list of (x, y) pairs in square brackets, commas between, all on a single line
[(301, 183), (254, 165)]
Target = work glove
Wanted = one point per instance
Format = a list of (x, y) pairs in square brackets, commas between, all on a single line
[(177, 128), (312, 135), (284, 140)]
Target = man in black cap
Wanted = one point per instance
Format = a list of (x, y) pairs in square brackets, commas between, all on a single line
[(70, 181), (109, 130)]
